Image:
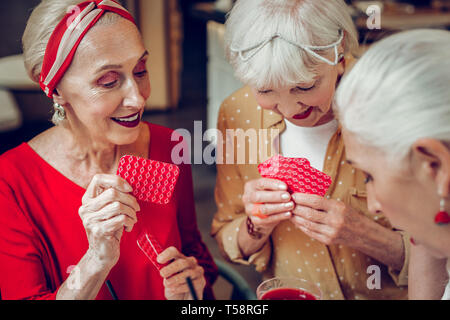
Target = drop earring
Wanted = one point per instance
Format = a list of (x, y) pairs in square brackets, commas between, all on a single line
[(442, 217), (59, 115)]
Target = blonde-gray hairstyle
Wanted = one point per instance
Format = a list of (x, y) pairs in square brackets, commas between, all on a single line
[(43, 20), (279, 63), (399, 92)]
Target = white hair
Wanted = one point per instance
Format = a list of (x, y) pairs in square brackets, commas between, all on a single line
[(399, 92), (307, 22), (43, 20)]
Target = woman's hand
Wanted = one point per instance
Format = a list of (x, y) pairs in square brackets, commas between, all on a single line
[(175, 273), (326, 220), (267, 203), (107, 207)]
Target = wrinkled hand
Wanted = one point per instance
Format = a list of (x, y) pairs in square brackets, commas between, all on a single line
[(107, 207), (268, 198), (326, 220), (175, 273)]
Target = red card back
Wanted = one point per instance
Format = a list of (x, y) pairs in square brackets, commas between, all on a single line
[(297, 174), (152, 181), (150, 247)]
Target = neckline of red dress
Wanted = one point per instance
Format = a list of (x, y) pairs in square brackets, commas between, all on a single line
[(57, 172)]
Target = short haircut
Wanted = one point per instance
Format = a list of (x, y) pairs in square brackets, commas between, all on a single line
[(308, 22)]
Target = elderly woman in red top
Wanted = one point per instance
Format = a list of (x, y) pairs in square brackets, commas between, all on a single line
[(63, 207)]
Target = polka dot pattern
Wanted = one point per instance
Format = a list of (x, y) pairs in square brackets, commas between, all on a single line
[(294, 253)]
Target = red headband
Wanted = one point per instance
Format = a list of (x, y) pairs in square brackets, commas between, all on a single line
[(67, 36)]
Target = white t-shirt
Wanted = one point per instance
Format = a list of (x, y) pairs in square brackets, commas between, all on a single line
[(310, 143)]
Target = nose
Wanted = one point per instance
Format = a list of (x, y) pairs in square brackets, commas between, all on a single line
[(288, 107), (133, 95), (372, 203)]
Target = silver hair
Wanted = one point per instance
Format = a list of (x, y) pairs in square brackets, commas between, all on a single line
[(43, 20), (311, 23), (398, 92)]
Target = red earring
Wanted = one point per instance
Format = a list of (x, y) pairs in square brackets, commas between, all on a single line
[(442, 217)]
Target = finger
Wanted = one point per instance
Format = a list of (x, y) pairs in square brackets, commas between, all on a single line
[(180, 278), (113, 209), (177, 266), (111, 226), (310, 214), (199, 285), (269, 184), (112, 195), (267, 197), (262, 210), (169, 254), (270, 220), (314, 235), (312, 200), (101, 182), (312, 226)]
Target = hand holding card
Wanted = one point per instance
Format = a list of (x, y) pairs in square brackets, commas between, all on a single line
[(152, 181), (297, 173)]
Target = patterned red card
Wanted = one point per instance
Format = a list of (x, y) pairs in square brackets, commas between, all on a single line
[(151, 180), (297, 173), (150, 247)]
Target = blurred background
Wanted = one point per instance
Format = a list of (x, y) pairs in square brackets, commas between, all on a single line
[(189, 75)]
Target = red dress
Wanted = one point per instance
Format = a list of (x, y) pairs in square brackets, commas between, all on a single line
[(42, 236)]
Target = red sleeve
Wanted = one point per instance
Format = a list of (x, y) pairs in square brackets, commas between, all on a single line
[(190, 235), (22, 275)]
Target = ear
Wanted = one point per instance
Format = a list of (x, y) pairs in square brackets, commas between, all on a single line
[(341, 65), (432, 158), (59, 99)]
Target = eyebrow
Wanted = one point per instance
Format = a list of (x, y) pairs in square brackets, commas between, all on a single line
[(118, 66)]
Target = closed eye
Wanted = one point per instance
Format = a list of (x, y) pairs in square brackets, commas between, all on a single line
[(141, 69), (368, 178), (305, 89), (141, 73), (109, 80)]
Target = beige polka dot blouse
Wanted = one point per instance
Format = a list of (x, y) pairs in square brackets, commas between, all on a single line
[(341, 272)]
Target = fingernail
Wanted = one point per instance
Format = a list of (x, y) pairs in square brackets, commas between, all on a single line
[(282, 187), (287, 214), (288, 205), (285, 196)]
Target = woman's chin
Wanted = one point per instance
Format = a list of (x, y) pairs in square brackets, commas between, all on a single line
[(126, 138)]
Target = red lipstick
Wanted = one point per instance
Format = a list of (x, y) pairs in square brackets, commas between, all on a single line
[(303, 115), (131, 121)]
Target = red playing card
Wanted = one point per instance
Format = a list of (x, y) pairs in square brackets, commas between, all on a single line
[(297, 174), (151, 180), (151, 248)]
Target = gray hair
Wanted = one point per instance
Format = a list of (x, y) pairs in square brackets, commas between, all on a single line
[(398, 92), (279, 63), (43, 20)]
